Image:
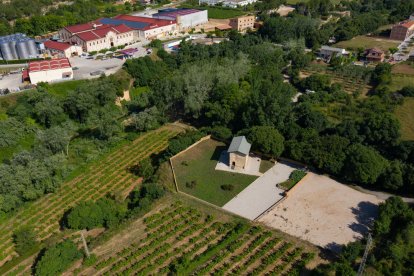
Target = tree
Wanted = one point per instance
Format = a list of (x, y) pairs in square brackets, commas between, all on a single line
[(57, 259), (363, 164), (380, 129), (145, 168), (24, 240), (146, 120), (392, 177), (266, 139)]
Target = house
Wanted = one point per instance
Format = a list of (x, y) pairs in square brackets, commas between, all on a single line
[(238, 151), (242, 23), (49, 70), (402, 30), (61, 49), (327, 52), (68, 32), (184, 18), (374, 55)]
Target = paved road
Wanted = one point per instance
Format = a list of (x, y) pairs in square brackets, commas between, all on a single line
[(261, 194)]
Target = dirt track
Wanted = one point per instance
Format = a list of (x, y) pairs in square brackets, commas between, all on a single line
[(324, 212)]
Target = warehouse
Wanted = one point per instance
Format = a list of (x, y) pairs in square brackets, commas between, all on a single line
[(62, 50), (18, 46), (49, 71), (185, 18), (148, 28)]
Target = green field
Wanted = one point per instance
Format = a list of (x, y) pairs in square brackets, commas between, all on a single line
[(62, 89), (405, 115), (198, 164), (400, 81), (109, 175), (366, 42)]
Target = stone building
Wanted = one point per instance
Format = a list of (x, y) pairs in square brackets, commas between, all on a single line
[(238, 151)]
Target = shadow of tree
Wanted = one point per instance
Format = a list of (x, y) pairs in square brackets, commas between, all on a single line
[(334, 247), (365, 214)]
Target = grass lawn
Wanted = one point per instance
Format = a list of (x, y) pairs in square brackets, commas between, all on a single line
[(367, 42), (405, 115), (62, 89), (197, 164), (134, 92), (399, 81), (265, 165)]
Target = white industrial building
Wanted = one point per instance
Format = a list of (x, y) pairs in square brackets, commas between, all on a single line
[(49, 71), (229, 3), (185, 18)]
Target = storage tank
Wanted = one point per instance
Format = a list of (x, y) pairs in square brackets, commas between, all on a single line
[(12, 44), (6, 51), (22, 48), (31, 44)]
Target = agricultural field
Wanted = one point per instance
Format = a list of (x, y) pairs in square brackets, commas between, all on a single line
[(405, 115), (366, 42), (109, 175), (196, 174), (182, 240), (352, 82)]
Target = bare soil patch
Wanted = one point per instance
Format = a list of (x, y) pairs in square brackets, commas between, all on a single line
[(324, 212)]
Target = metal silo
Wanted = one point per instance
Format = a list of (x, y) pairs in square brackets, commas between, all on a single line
[(23, 49), (5, 51), (33, 52), (12, 45)]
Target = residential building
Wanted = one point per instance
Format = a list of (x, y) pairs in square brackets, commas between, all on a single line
[(238, 152), (104, 38), (184, 18), (146, 27), (61, 49), (327, 52), (242, 23), (402, 30), (374, 55), (49, 71)]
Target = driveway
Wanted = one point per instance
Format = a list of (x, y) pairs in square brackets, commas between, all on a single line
[(261, 194)]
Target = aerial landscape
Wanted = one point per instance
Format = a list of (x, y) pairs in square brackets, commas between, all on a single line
[(209, 137)]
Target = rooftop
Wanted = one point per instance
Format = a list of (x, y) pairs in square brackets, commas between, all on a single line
[(83, 27), (173, 13), (56, 45), (151, 22), (47, 65), (239, 144), (408, 24), (102, 32)]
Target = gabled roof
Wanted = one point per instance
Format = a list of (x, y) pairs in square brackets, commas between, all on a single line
[(47, 65), (408, 24), (239, 144), (82, 27), (102, 32), (56, 45)]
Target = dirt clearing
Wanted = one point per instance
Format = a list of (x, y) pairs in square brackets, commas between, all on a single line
[(324, 212)]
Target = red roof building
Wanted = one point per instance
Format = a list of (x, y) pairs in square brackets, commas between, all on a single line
[(402, 30), (49, 70), (62, 50)]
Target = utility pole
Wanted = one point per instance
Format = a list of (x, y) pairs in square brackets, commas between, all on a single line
[(364, 257), (85, 245)]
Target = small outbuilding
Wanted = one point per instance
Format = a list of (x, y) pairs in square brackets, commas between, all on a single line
[(238, 151)]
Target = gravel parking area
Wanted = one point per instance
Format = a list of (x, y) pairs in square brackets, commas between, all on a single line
[(324, 212), (12, 81), (261, 194)]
